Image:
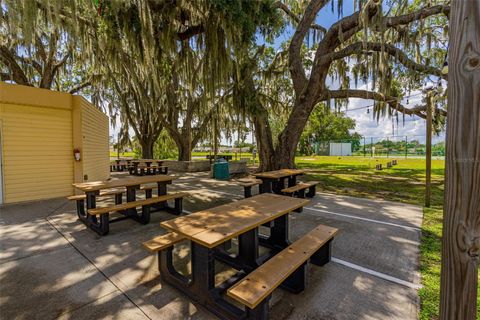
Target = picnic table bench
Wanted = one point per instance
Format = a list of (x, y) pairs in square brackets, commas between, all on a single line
[(98, 219), (247, 185), (275, 180), (257, 276)]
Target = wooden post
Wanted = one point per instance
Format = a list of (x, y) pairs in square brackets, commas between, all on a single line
[(461, 222), (428, 150)]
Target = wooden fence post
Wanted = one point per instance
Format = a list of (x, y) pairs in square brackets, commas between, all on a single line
[(428, 150), (461, 224)]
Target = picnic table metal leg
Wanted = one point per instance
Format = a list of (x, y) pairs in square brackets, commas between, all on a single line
[(203, 272), (266, 186), (81, 210), (247, 191), (297, 281), (323, 255), (91, 204), (98, 224), (200, 286), (162, 190), (277, 186), (279, 238), (248, 249), (132, 196), (292, 181), (167, 270), (300, 194), (311, 191), (261, 311)]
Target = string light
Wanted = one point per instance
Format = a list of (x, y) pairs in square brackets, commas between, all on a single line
[(393, 100)]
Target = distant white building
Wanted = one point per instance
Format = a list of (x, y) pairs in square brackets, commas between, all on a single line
[(340, 149)]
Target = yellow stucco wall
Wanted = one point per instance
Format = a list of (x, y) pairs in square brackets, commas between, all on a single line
[(39, 130)]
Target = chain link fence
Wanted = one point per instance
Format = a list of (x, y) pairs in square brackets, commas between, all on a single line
[(388, 146)]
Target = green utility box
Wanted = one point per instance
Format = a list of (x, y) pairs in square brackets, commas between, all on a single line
[(221, 170)]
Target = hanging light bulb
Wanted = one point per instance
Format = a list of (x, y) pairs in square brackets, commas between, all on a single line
[(445, 64), (439, 85)]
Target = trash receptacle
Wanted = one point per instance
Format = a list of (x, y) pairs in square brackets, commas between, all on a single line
[(221, 170)]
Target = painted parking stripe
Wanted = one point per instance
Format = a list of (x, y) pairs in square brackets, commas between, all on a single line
[(377, 274), (364, 219)]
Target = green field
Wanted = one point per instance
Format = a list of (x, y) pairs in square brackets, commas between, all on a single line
[(114, 154), (356, 176)]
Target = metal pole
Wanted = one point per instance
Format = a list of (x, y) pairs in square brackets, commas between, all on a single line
[(428, 147), (364, 151), (387, 146), (406, 147), (371, 147)]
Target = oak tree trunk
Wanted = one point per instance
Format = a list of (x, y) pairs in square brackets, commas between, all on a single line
[(147, 148), (461, 223), (184, 149), (263, 135)]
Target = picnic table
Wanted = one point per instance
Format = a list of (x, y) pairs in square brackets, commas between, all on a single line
[(142, 166), (119, 164), (275, 180), (100, 222), (210, 231)]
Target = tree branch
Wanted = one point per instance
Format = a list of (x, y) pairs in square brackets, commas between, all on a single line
[(190, 32), (296, 18), (17, 74), (295, 60), (80, 87), (417, 15), (393, 51)]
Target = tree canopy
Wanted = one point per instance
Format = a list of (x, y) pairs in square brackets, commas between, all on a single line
[(201, 68)]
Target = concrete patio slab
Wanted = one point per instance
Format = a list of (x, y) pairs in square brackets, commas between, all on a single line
[(47, 285), (75, 274)]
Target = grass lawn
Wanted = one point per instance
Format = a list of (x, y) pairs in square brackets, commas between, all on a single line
[(113, 154), (356, 176)]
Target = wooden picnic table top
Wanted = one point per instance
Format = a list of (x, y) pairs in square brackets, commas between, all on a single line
[(277, 174), (214, 226), (123, 182)]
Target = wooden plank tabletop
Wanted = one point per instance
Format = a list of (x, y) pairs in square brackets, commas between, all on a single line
[(214, 226), (123, 182), (279, 173)]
